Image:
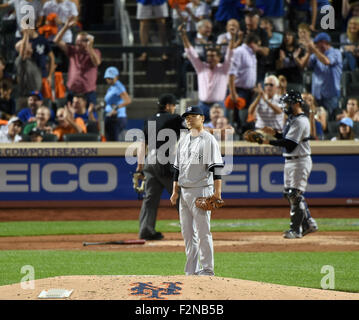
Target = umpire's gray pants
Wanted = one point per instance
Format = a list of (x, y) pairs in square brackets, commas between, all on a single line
[(195, 227), (155, 183)]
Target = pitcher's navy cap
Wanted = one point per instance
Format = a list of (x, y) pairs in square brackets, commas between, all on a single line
[(193, 110)]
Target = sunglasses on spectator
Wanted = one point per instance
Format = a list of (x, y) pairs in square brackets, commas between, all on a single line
[(269, 84)]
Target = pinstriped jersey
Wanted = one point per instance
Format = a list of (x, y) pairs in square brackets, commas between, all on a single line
[(195, 157)]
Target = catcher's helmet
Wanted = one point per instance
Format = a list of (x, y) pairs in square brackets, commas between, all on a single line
[(290, 98)]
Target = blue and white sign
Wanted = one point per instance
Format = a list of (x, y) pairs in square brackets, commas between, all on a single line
[(262, 177), (109, 178)]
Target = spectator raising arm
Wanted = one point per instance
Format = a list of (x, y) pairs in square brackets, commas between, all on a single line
[(183, 33), (312, 48), (254, 104), (69, 117), (58, 39), (314, 7), (95, 58), (23, 45)]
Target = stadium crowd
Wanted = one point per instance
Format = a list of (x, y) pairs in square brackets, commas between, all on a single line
[(245, 55)]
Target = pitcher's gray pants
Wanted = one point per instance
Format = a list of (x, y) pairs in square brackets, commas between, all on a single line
[(195, 227)]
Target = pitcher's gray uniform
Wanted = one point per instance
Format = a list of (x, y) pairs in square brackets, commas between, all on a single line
[(196, 160)]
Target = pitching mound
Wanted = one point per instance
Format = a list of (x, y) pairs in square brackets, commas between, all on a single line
[(168, 287)]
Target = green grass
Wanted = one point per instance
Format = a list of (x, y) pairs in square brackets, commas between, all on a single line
[(287, 268), (32, 228)]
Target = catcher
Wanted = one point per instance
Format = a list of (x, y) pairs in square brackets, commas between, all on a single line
[(298, 163), (198, 160)]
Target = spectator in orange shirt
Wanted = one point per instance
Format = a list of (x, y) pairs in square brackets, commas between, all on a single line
[(67, 124)]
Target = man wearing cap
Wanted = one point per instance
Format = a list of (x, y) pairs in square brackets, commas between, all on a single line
[(116, 100), (36, 135), (157, 167), (34, 101), (327, 65), (11, 132), (197, 164)]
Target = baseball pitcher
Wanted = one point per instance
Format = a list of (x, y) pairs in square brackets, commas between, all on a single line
[(197, 164)]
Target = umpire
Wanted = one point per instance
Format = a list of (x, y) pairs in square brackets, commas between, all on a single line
[(156, 169)]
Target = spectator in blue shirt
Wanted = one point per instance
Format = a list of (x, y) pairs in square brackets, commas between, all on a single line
[(116, 100), (79, 105), (327, 66), (34, 101)]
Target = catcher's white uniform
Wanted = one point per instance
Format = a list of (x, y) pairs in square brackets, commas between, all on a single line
[(196, 159)]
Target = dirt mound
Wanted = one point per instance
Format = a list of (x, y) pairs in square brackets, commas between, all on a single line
[(168, 287)]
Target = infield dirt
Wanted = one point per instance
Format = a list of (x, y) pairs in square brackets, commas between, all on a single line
[(119, 287)]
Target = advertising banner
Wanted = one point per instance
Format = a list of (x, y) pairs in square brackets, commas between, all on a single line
[(110, 178)]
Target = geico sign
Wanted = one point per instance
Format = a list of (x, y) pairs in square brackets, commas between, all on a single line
[(248, 178), (25, 178)]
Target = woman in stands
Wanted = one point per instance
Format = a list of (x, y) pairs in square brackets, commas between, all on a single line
[(345, 130), (349, 45), (317, 116), (351, 111), (288, 59), (116, 100)]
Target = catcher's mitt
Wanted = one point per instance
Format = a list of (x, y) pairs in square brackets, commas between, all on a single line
[(209, 203), (137, 176), (253, 136)]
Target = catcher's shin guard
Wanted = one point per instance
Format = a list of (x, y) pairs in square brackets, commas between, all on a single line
[(297, 210)]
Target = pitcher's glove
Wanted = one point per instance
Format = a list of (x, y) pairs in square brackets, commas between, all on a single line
[(209, 203), (136, 178), (253, 136)]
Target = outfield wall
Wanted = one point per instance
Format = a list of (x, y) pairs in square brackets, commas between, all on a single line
[(99, 174)]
